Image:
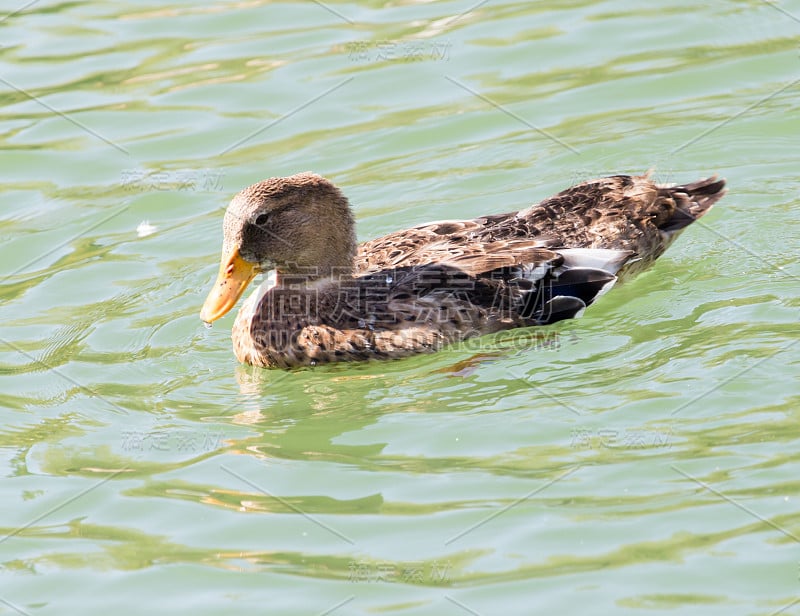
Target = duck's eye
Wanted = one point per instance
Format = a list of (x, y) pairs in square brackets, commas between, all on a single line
[(261, 220)]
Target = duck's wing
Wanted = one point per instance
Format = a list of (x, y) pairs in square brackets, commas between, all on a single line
[(500, 256), (618, 225)]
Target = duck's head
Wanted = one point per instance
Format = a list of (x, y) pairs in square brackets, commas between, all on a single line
[(298, 224)]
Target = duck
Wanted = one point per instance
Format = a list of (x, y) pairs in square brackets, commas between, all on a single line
[(324, 298)]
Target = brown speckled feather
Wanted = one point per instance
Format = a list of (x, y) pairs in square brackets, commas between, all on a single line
[(620, 212)]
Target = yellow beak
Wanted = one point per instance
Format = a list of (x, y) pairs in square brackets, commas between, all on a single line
[(234, 275)]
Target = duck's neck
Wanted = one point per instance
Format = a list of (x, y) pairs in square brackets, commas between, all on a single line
[(295, 273), (328, 252)]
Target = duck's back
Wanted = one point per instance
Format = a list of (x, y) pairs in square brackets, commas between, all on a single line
[(621, 212)]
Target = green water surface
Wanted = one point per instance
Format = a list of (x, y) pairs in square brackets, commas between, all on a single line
[(644, 459)]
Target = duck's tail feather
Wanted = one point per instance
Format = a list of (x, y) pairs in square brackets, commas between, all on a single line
[(584, 275), (692, 201), (605, 259)]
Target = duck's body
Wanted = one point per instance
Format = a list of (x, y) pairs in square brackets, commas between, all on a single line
[(419, 289)]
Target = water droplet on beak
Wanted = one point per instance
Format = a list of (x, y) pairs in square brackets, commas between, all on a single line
[(207, 324)]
